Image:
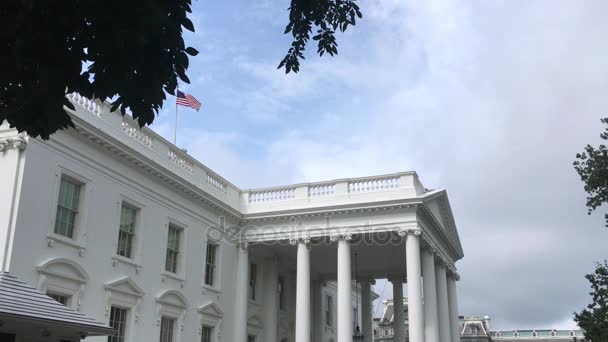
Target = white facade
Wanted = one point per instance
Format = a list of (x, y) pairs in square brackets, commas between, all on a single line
[(301, 238)]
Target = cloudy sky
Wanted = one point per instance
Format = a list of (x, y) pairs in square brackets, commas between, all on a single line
[(488, 99)]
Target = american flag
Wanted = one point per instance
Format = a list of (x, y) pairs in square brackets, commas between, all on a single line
[(187, 100)]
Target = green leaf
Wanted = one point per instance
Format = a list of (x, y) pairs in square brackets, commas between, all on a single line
[(191, 51), (188, 25)]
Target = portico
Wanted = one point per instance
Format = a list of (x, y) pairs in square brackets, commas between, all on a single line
[(411, 232)]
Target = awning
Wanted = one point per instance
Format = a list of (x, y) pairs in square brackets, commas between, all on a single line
[(21, 302)]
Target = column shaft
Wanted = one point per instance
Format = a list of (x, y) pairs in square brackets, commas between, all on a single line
[(453, 305), (345, 312), (442, 303), (414, 287), (366, 311), (398, 311), (431, 319), (271, 300), (303, 294), (240, 296)]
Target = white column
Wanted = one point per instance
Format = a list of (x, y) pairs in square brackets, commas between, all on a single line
[(345, 310), (453, 305), (303, 291), (271, 300), (414, 286), (241, 291), (366, 310), (431, 319), (442, 303), (398, 310)]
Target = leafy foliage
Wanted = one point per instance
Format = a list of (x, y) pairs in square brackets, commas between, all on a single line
[(592, 166), (327, 16), (594, 319), (133, 52)]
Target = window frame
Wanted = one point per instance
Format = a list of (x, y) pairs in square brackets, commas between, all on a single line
[(211, 329), (329, 308), (253, 281), (73, 209), (281, 294), (126, 322), (81, 176), (133, 235), (211, 281), (178, 251), (54, 294), (173, 332)]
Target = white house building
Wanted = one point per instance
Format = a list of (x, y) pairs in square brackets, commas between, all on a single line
[(119, 224)]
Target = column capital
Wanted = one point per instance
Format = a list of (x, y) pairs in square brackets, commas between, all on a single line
[(453, 274), (341, 237), (295, 241), (368, 280), (243, 245), (17, 142), (394, 278), (431, 250), (417, 232)]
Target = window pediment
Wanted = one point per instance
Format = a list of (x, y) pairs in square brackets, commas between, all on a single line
[(211, 309), (64, 268), (172, 298), (255, 322), (125, 286)]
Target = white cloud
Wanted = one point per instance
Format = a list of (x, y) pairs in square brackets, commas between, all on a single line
[(490, 100)]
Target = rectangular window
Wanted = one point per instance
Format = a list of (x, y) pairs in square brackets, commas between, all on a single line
[(173, 241), (63, 299), (250, 338), (118, 322), (67, 207), (210, 264), (253, 277), (126, 231), (281, 293), (329, 310), (206, 333), (166, 329)]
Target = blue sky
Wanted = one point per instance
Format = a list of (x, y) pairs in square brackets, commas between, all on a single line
[(488, 99)]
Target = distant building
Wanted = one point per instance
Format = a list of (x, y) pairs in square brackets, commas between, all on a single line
[(474, 329)]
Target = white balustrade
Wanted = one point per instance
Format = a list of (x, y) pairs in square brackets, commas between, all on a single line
[(272, 195), (216, 182), (136, 134), (180, 161), (373, 184), (89, 105), (318, 190)]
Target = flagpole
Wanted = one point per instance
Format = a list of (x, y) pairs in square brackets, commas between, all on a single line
[(175, 126)]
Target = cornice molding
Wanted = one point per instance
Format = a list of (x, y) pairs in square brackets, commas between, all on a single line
[(99, 137)]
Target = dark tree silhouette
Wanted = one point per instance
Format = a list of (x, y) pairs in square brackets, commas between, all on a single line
[(592, 166), (130, 51), (594, 319)]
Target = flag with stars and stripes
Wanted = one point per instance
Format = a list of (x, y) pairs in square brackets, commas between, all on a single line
[(187, 100)]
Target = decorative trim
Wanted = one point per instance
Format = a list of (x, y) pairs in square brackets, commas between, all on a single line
[(19, 142), (295, 241), (341, 237), (410, 231)]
